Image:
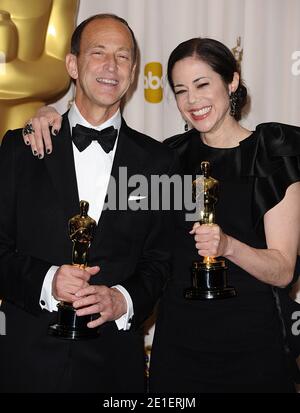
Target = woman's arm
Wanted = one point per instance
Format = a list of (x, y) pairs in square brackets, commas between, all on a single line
[(274, 265)]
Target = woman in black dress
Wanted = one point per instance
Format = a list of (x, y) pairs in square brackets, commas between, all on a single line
[(236, 344)]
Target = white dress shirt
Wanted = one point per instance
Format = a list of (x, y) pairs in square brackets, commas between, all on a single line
[(93, 168)]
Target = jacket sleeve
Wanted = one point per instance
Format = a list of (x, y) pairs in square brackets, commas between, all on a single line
[(21, 276)]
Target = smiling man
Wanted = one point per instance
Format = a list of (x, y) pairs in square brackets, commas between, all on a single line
[(129, 254), (102, 62)]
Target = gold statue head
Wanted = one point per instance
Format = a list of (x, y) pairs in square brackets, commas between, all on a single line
[(34, 40), (84, 207)]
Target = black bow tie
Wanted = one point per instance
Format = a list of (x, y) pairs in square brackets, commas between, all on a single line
[(83, 137)]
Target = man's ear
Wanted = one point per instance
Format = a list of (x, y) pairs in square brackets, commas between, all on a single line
[(71, 65)]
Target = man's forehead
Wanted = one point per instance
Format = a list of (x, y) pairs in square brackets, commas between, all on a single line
[(108, 29)]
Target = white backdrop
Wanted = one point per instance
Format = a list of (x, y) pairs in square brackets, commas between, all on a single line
[(270, 39)]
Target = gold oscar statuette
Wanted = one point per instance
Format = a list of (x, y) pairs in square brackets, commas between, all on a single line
[(209, 276), (81, 233)]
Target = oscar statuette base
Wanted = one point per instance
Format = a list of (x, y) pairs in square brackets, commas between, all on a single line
[(70, 326), (209, 282)]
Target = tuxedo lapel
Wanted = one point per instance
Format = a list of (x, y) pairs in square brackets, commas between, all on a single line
[(61, 168), (128, 155)]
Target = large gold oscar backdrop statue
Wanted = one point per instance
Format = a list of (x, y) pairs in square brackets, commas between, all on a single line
[(34, 39)]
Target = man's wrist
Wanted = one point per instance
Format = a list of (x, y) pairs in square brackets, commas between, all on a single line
[(122, 303)]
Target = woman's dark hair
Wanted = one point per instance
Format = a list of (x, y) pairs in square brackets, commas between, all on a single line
[(218, 57), (76, 37)]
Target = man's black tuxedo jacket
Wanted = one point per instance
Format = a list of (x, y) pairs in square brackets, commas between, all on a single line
[(38, 197)]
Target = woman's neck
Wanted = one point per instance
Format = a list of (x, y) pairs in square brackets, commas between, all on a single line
[(228, 135)]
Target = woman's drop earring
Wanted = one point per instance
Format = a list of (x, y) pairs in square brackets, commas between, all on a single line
[(233, 103)]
